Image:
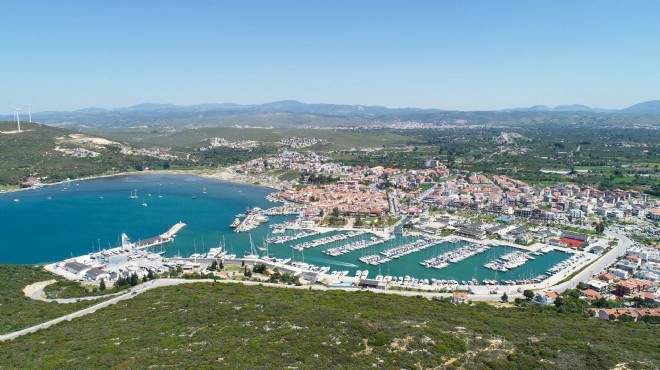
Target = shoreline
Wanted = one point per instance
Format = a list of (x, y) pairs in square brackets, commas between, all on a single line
[(224, 174)]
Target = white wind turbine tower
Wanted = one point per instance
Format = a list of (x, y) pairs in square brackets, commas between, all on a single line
[(18, 117), (30, 111)]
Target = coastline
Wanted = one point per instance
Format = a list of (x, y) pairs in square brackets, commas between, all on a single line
[(223, 174)]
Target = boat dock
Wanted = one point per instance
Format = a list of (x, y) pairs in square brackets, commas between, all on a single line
[(327, 240), (251, 221), (454, 256), (173, 230), (163, 238)]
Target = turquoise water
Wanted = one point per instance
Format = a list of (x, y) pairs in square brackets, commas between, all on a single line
[(410, 264), (60, 221), (56, 222)]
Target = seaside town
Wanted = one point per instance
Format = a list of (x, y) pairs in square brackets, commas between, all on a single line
[(388, 213), (450, 185)]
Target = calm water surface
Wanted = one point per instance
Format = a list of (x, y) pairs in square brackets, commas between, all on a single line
[(60, 221)]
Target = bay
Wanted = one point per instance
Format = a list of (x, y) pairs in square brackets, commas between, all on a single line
[(56, 222), (69, 219)]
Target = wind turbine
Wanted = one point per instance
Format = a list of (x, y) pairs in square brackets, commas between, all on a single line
[(18, 117), (30, 111)]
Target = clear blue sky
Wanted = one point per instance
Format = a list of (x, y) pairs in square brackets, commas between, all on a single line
[(467, 55)]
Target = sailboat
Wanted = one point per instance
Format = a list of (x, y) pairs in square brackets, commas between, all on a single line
[(144, 204), (264, 247), (253, 252), (133, 194)]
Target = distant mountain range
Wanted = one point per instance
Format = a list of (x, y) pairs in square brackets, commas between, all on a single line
[(650, 107), (281, 112)]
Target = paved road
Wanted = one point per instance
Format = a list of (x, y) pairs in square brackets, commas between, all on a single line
[(138, 289), (169, 282), (600, 264), (36, 291)]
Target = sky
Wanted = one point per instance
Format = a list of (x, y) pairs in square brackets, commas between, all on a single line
[(459, 55)]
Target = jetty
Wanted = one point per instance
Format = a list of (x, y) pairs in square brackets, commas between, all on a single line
[(454, 256), (327, 240), (288, 238), (354, 246), (173, 230), (409, 248), (161, 239)]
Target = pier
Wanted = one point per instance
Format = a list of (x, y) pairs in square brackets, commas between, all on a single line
[(327, 240), (161, 239), (173, 230)]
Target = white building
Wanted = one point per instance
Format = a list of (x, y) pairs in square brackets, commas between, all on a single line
[(619, 273)]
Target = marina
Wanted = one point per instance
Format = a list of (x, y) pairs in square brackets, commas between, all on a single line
[(390, 257), (355, 246), (508, 261), (327, 240), (456, 256)]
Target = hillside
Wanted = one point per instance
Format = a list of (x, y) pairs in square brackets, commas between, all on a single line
[(208, 325), (58, 154), (650, 107), (335, 139), (19, 312)]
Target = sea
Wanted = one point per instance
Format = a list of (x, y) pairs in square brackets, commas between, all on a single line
[(60, 221)]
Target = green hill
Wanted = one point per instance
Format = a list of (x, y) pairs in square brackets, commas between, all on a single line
[(335, 139), (208, 325), (57, 154)]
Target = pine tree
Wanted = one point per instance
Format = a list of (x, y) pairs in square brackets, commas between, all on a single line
[(102, 285), (134, 279)]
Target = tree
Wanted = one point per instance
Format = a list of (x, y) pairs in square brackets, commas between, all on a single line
[(166, 165), (134, 279), (102, 285), (626, 318), (504, 297), (221, 266), (335, 212), (145, 279), (559, 302), (275, 276), (600, 303), (151, 275), (529, 294), (214, 265)]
